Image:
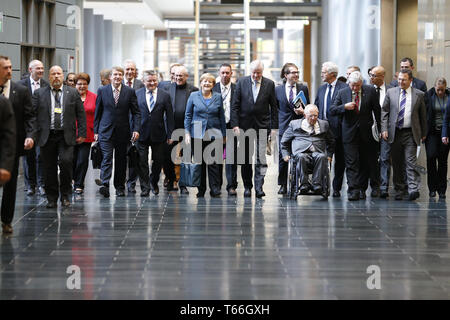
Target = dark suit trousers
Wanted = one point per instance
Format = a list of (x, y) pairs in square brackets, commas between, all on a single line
[(399, 177), (57, 153), (352, 164), (369, 153), (230, 169), (120, 162), (143, 169), (214, 179), (437, 157), (32, 161), (339, 165), (9, 194), (314, 162), (81, 163), (282, 166), (132, 175), (168, 165), (260, 166)]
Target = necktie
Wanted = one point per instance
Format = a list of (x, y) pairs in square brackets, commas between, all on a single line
[(325, 116), (58, 111), (130, 84), (1, 90), (291, 94), (152, 101), (401, 113), (255, 91), (357, 102), (224, 93), (116, 96)]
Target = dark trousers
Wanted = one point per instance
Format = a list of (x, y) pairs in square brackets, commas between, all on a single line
[(230, 169), (81, 163), (260, 167), (143, 169), (57, 153), (314, 162), (369, 153), (339, 165), (33, 168), (9, 195), (120, 162), (351, 156), (282, 166), (168, 165), (132, 175), (437, 157), (214, 179)]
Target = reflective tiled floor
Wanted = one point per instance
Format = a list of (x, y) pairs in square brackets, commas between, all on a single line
[(179, 247)]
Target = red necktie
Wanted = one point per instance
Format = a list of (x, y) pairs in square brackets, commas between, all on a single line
[(357, 102), (129, 83)]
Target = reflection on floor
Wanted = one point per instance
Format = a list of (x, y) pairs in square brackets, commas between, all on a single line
[(180, 247)]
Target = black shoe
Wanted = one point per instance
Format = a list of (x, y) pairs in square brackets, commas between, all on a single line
[(201, 194), (170, 186), (131, 190), (155, 188), (145, 193), (31, 192), (78, 191), (247, 193), (65, 202), (98, 182), (166, 182), (232, 192), (304, 190), (384, 194), (104, 191), (120, 193), (184, 190), (317, 190), (432, 194), (375, 193), (336, 194), (413, 196), (215, 194), (353, 196), (283, 189), (362, 195), (42, 192), (51, 204), (442, 195), (7, 228), (260, 194), (399, 196)]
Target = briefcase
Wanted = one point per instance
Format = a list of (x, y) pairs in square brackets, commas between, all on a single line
[(190, 174), (133, 156), (96, 156)]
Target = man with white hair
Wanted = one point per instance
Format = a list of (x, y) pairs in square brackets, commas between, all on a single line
[(356, 104), (255, 107), (324, 99)]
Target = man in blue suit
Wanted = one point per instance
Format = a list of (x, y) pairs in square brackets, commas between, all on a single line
[(325, 96), (287, 112), (408, 64), (112, 128), (156, 116)]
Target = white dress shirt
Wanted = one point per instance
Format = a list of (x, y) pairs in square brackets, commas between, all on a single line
[(382, 93), (333, 87), (147, 97), (226, 98), (35, 84), (288, 90), (408, 107), (7, 88)]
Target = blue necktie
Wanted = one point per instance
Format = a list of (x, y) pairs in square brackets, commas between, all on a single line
[(152, 101), (401, 113), (328, 102), (255, 91), (291, 94)]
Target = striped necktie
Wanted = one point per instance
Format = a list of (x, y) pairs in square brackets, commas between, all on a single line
[(116, 95), (152, 101), (357, 102), (401, 113)]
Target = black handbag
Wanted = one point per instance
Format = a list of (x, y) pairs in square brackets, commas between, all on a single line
[(96, 155)]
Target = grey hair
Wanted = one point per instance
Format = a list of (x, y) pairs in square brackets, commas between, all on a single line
[(331, 67), (355, 77), (183, 69), (33, 63), (255, 64), (129, 61), (310, 107)]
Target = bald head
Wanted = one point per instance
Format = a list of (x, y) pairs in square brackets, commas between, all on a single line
[(56, 77), (36, 69), (377, 76)]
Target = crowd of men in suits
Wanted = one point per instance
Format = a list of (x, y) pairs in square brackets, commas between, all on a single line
[(370, 124)]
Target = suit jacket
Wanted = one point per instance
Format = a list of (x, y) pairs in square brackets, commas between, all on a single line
[(27, 83), (446, 123), (389, 114), (295, 140), (153, 125), (430, 100), (164, 85), (172, 91), (416, 83), (217, 89), (73, 114), (111, 118), (334, 120), (7, 135), (210, 117), (355, 124), (247, 114), (25, 115), (285, 109)]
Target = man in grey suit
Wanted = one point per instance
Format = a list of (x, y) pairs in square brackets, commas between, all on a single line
[(404, 127), (312, 143), (60, 114)]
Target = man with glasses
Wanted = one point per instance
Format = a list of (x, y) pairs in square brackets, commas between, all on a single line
[(405, 65)]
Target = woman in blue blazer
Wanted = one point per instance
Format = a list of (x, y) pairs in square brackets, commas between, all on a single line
[(204, 122)]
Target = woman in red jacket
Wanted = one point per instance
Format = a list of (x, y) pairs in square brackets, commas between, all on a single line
[(81, 151)]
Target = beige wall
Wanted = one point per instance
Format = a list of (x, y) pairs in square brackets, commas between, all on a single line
[(407, 17), (387, 37)]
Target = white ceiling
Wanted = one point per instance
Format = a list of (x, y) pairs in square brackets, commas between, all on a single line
[(149, 13)]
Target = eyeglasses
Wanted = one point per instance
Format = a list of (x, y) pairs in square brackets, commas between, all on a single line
[(373, 75), (294, 72)]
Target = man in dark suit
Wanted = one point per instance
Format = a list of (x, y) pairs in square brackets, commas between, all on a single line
[(7, 140), (408, 64), (60, 114), (226, 88), (25, 124), (254, 106), (287, 112), (166, 84), (326, 94), (112, 129), (356, 104), (404, 127), (156, 115), (179, 92), (33, 166)]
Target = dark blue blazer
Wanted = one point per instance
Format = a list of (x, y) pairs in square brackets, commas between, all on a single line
[(416, 83), (334, 120), (164, 85), (110, 118), (357, 125), (430, 100), (210, 117), (285, 109), (153, 125)]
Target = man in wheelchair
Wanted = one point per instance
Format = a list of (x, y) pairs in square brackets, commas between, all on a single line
[(310, 143)]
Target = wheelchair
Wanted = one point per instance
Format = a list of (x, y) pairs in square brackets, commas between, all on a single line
[(294, 180)]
